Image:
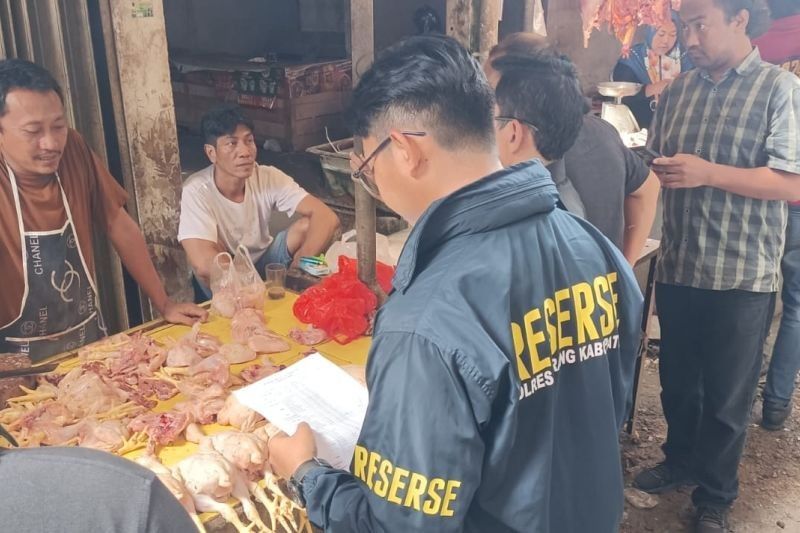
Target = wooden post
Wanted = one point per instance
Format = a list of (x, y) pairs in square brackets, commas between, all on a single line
[(362, 49), (459, 21), (136, 50), (490, 15)]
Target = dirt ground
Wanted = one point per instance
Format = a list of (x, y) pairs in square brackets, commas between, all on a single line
[(769, 476)]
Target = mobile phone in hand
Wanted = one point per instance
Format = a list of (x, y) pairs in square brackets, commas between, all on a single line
[(648, 155)]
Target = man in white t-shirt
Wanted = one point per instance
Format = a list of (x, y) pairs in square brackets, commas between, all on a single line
[(230, 204)]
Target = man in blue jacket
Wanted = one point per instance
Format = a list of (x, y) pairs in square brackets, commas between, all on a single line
[(501, 365)]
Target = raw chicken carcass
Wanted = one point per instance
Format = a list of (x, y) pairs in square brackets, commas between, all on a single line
[(243, 450), (310, 336), (204, 402), (214, 369), (248, 327), (223, 303), (87, 394), (212, 480), (108, 436), (251, 296), (182, 355), (235, 414), (268, 343), (161, 428), (257, 372), (51, 424), (191, 348), (173, 485), (246, 323), (163, 390), (237, 353), (103, 349)]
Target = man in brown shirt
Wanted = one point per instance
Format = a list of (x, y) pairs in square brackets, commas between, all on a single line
[(53, 192)]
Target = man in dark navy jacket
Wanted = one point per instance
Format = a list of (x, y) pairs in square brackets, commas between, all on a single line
[(502, 363)]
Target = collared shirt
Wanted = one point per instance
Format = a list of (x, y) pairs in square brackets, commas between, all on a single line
[(714, 239)]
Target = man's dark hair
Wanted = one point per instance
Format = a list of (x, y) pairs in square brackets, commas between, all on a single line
[(759, 14), (542, 89), (527, 44), (223, 120), (521, 44), (784, 8), (21, 74), (427, 82)]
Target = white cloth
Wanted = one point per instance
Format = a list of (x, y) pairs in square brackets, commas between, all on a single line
[(206, 214)]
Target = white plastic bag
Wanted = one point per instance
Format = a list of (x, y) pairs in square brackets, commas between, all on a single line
[(235, 284), (347, 247)]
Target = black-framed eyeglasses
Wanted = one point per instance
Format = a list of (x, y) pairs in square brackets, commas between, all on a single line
[(364, 174), (505, 120)]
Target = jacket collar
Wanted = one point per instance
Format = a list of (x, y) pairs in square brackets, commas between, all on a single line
[(492, 202)]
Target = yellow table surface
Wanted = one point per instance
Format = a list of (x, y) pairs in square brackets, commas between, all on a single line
[(280, 319)]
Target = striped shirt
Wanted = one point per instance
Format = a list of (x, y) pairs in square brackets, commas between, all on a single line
[(713, 239)]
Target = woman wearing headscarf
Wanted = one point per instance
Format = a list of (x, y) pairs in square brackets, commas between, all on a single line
[(654, 63)]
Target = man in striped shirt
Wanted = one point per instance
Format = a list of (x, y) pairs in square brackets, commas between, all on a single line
[(728, 132)]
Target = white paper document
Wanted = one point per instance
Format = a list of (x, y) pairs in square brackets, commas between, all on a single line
[(317, 392)]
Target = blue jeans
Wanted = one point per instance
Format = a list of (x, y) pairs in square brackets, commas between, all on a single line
[(786, 356), (278, 252)]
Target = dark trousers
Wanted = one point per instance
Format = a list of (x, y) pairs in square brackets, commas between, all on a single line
[(711, 344)]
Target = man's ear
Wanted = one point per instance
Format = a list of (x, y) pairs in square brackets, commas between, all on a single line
[(408, 153), (211, 153), (516, 137), (742, 19)]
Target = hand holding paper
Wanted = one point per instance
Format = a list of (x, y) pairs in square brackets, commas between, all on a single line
[(319, 393)]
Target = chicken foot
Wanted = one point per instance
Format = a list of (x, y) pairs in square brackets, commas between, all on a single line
[(207, 504), (241, 493), (275, 513)]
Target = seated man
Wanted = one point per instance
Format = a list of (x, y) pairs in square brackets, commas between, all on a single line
[(230, 203), (618, 190)]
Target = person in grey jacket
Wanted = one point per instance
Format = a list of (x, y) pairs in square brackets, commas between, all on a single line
[(78, 490), (502, 363)]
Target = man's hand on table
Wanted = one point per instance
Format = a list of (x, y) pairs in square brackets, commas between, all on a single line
[(287, 453), (683, 171), (183, 313)]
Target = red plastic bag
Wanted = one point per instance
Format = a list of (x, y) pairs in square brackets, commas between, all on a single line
[(383, 272), (340, 304)]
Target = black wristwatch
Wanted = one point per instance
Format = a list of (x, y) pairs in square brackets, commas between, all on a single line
[(296, 481)]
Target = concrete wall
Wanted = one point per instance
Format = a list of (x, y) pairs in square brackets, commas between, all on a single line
[(564, 27), (394, 19), (245, 28)]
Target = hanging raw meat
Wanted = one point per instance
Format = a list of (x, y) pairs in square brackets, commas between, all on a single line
[(623, 17)]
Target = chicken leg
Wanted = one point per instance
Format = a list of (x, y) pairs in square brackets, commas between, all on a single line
[(207, 504)]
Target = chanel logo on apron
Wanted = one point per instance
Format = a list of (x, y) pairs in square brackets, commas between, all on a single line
[(59, 309), (69, 276)]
